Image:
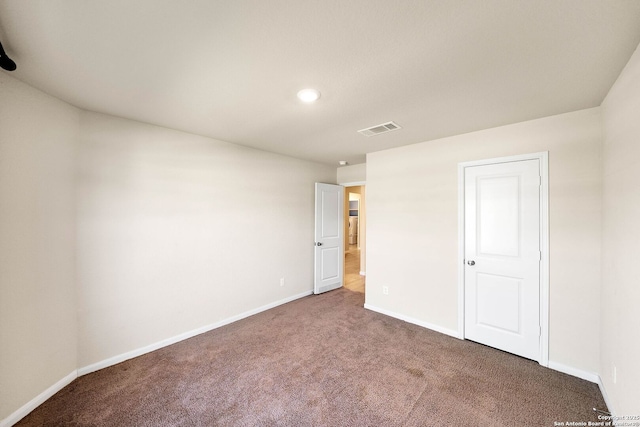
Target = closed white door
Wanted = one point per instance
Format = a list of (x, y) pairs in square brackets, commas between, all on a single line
[(329, 238), (502, 256)]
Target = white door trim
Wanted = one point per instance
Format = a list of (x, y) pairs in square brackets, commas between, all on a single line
[(543, 158), (353, 184)]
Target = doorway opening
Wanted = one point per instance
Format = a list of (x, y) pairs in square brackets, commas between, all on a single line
[(355, 238)]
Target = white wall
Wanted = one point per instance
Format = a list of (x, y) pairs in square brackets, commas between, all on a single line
[(177, 231), (38, 140), (620, 335), (412, 226)]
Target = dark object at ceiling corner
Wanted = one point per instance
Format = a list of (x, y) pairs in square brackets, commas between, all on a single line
[(6, 62)]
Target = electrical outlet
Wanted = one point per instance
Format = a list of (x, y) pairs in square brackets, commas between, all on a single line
[(282, 281), (614, 374), (385, 290)]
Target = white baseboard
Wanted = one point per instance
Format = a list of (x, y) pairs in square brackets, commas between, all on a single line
[(408, 319), (42, 397), (605, 396), (585, 375), (147, 349), (38, 400)]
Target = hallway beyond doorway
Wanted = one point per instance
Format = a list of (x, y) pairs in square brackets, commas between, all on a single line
[(352, 278)]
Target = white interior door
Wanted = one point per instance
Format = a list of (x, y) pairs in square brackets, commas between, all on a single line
[(329, 238), (502, 256)]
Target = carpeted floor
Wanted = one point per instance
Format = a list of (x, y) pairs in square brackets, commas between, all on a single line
[(322, 361)]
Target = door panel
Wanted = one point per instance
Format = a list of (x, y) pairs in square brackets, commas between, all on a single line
[(499, 302), (330, 268), (502, 255), (329, 238), (330, 204), (498, 219)]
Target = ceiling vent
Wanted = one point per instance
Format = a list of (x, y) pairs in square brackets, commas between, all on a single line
[(378, 129)]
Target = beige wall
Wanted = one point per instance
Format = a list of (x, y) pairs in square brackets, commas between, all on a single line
[(116, 234), (412, 230), (351, 174), (38, 140), (620, 334), (177, 231)]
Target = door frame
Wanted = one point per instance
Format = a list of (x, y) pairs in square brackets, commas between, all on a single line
[(543, 158)]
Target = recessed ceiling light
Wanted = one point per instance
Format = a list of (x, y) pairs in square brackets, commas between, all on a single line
[(308, 95), (343, 163)]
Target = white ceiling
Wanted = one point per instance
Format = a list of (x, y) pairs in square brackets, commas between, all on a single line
[(231, 69)]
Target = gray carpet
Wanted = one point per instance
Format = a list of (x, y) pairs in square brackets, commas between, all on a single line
[(322, 361)]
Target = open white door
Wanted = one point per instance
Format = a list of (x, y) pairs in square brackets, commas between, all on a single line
[(329, 238), (502, 256)]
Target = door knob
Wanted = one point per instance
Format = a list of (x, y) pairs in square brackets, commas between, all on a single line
[(319, 244), (471, 262)]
